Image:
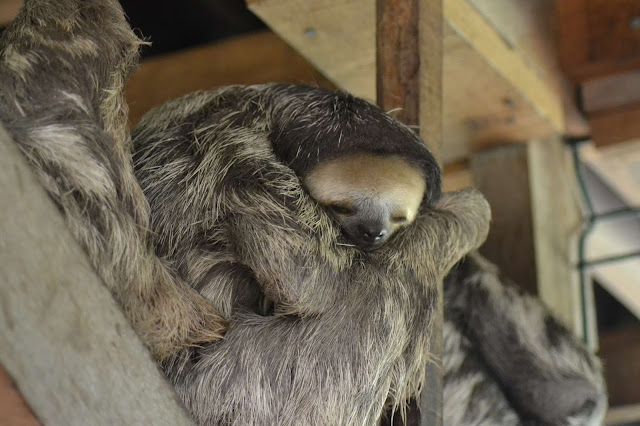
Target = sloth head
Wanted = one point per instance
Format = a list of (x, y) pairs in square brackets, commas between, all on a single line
[(371, 172), (370, 196)]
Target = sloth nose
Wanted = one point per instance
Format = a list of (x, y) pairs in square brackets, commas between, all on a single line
[(372, 233)]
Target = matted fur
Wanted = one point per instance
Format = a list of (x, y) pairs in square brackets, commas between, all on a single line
[(508, 361), (62, 67), (350, 330)]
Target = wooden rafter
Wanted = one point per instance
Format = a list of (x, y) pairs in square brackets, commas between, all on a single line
[(492, 93)]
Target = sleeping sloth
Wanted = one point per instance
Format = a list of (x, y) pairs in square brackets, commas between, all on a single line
[(352, 283), (225, 172)]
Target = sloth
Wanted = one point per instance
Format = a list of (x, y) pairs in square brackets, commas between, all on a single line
[(258, 147), (349, 330), (62, 67), (368, 172), (243, 204), (508, 361)]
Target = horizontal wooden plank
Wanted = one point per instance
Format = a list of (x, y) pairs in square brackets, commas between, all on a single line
[(616, 125), (63, 339), (618, 90), (623, 415), (597, 38), (491, 94), (8, 10), (246, 59)]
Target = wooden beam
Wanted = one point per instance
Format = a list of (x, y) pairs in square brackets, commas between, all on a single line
[(63, 339), (409, 83), (620, 350), (430, 46), (617, 125), (431, 34), (8, 10), (612, 91), (254, 58), (491, 94), (398, 59), (530, 28), (623, 415), (535, 218), (557, 222), (598, 37), (14, 410), (502, 174), (509, 63)]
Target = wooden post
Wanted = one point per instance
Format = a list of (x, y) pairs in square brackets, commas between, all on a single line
[(409, 84), (502, 174), (398, 59), (535, 221), (63, 339)]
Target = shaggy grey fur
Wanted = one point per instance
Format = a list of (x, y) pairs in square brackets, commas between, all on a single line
[(206, 163), (350, 330), (62, 68), (508, 361)]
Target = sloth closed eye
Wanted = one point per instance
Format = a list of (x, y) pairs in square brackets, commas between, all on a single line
[(341, 209)]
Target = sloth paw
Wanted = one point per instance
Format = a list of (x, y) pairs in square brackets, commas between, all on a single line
[(178, 317)]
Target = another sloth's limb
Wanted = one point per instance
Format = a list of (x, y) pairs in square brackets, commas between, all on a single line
[(471, 395), (547, 376), (62, 67)]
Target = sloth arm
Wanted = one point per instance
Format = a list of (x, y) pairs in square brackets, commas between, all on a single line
[(329, 369), (541, 367), (289, 261), (458, 223), (62, 69)]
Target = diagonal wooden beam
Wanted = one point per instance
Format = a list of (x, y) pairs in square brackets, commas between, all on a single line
[(63, 338)]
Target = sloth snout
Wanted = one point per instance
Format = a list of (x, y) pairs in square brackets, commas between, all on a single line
[(372, 233)]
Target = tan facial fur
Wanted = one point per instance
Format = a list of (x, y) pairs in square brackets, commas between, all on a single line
[(379, 193)]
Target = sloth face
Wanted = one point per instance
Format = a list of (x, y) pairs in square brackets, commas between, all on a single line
[(371, 197)]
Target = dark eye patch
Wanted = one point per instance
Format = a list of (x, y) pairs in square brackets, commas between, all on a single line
[(341, 209), (399, 219)]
